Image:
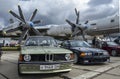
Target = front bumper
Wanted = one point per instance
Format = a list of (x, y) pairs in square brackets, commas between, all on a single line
[(34, 67), (94, 59)]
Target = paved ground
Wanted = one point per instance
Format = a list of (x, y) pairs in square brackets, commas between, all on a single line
[(111, 74), (8, 70)]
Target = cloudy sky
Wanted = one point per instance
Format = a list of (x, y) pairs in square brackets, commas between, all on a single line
[(56, 11)]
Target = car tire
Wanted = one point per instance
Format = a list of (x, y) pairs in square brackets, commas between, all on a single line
[(113, 53), (75, 60)]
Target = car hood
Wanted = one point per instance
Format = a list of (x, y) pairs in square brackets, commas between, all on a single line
[(87, 49), (43, 50)]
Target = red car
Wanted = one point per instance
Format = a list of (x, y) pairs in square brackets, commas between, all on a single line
[(112, 47)]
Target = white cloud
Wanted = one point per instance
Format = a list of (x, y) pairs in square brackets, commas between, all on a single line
[(56, 11), (1, 23), (81, 4)]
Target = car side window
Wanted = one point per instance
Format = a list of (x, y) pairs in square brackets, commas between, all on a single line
[(32, 43), (65, 44)]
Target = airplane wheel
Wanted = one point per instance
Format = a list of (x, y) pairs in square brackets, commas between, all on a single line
[(75, 58), (113, 53)]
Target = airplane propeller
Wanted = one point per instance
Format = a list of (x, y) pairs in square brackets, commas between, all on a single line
[(26, 25), (77, 28)]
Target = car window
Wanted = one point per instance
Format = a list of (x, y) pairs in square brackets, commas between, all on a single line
[(31, 42), (79, 44), (112, 43), (40, 41)]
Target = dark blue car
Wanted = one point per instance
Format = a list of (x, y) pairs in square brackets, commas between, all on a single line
[(84, 53)]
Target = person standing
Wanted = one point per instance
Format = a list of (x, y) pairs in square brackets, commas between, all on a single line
[(94, 41)]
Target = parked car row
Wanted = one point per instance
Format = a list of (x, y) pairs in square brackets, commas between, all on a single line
[(42, 54)]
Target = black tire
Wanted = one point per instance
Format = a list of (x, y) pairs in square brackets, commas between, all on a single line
[(75, 60), (113, 53)]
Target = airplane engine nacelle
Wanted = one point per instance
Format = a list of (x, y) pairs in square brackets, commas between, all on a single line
[(59, 31)]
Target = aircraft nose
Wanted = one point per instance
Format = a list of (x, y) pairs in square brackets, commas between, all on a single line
[(31, 24)]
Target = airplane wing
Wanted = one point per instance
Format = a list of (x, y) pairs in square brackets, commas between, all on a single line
[(11, 27), (10, 30), (15, 30)]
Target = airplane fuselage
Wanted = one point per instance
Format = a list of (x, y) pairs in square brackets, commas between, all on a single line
[(107, 25), (97, 27)]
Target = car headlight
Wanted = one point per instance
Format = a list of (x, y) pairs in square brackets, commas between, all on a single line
[(105, 53), (83, 54), (27, 57), (67, 57), (89, 54)]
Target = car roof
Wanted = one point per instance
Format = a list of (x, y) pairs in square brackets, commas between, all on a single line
[(75, 40), (107, 41), (39, 36)]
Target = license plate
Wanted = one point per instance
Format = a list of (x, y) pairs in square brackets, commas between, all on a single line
[(86, 61), (49, 67)]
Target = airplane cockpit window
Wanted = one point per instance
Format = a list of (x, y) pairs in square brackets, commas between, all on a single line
[(112, 20), (93, 24)]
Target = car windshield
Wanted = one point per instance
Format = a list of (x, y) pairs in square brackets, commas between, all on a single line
[(40, 41), (112, 43), (80, 44)]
